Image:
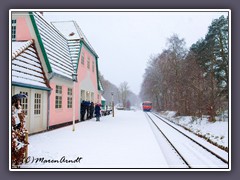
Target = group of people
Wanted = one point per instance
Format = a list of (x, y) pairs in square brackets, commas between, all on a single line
[(89, 108)]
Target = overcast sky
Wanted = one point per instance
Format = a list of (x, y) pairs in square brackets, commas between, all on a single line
[(124, 41)]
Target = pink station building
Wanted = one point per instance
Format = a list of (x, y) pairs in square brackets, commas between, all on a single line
[(46, 59)]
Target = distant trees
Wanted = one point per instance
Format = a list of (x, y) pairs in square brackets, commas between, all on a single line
[(108, 89), (192, 82), (122, 94)]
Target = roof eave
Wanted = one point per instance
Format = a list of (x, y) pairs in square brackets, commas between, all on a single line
[(88, 47), (40, 42), (30, 86)]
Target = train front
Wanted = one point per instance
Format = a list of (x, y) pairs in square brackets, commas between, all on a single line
[(147, 106)]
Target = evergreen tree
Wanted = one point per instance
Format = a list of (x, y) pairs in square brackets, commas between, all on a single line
[(212, 55)]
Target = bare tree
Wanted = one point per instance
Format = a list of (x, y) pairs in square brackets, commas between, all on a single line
[(193, 82), (123, 92)]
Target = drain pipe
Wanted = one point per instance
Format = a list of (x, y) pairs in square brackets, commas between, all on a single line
[(48, 104)]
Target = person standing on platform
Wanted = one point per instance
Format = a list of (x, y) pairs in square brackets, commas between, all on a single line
[(88, 109), (91, 110), (97, 112), (83, 110)]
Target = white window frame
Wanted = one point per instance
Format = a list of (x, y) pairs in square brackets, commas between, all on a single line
[(82, 59), (24, 103), (88, 96), (14, 27), (92, 96), (58, 97), (69, 98), (37, 103), (83, 95), (88, 63), (93, 66)]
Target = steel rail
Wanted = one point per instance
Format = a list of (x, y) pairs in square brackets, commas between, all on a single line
[(219, 157), (185, 161)]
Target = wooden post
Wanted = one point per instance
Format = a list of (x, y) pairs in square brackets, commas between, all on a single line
[(113, 108), (26, 151)]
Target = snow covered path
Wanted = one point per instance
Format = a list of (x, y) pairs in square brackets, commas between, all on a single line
[(125, 141)]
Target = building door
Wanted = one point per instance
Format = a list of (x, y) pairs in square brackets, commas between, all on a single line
[(37, 112)]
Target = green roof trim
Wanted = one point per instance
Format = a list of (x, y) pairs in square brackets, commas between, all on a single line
[(99, 88), (40, 41), (30, 86), (79, 54), (88, 47)]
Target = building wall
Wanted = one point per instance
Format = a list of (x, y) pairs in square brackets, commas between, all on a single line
[(64, 114), (25, 31), (22, 31), (87, 80), (86, 77)]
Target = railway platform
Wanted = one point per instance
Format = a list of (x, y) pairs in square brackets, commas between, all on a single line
[(125, 141)]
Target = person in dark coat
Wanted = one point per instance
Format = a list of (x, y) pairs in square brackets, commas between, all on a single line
[(91, 110), (98, 112), (83, 110), (88, 109)]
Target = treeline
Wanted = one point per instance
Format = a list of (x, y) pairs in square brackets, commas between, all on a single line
[(194, 81), (122, 94)]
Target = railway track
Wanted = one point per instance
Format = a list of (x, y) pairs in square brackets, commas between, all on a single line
[(187, 148)]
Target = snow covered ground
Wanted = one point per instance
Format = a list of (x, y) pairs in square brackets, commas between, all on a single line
[(217, 131), (123, 141), (194, 155)]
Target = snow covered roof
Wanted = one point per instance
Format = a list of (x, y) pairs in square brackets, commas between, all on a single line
[(71, 31), (19, 47), (61, 43), (26, 65), (55, 46), (74, 50), (67, 28)]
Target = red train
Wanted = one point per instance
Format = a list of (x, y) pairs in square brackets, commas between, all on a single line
[(147, 106)]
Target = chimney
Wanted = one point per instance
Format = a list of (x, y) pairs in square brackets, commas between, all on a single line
[(71, 34)]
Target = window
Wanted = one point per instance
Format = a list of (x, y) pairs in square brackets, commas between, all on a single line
[(93, 66), (82, 59), (37, 103), (14, 23), (58, 100), (92, 97), (82, 95), (88, 63), (69, 98), (24, 103), (88, 96)]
